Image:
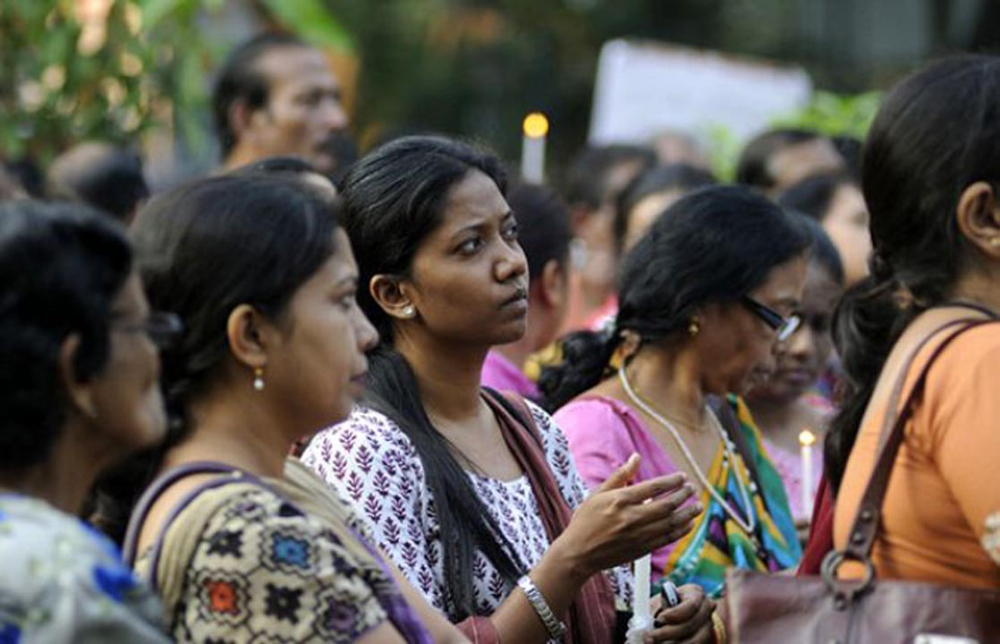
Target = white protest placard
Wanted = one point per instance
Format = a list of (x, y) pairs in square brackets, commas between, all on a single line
[(645, 88)]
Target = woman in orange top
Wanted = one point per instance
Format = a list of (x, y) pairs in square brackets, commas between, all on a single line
[(931, 178)]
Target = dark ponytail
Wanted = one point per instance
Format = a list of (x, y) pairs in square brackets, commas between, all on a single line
[(865, 325), (716, 244), (937, 132), (464, 521), (586, 359), (393, 199)]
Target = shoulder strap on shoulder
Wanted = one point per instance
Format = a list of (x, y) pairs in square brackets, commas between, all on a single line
[(156, 490), (866, 522)]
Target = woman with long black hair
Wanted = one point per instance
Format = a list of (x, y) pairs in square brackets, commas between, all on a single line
[(473, 495), (931, 179)]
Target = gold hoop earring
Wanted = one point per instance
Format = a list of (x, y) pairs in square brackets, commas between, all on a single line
[(258, 379)]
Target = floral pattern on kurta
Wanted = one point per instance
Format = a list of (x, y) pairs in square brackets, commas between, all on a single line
[(370, 461)]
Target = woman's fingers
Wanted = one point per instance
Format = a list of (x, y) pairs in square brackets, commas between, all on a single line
[(618, 524), (705, 635), (622, 476), (650, 517), (652, 488), (658, 532), (687, 621)]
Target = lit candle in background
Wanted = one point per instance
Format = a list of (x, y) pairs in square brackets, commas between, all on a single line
[(806, 441), (641, 620), (536, 127)]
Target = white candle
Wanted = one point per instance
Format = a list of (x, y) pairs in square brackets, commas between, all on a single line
[(806, 441), (536, 127), (641, 620)]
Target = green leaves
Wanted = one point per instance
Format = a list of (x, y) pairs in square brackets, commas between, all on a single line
[(67, 75), (155, 11), (311, 20), (836, 114)]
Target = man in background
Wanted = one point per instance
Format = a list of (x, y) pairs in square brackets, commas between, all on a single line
[(277, 96), (777, 159)]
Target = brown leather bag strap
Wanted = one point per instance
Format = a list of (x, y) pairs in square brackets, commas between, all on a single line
[(868, 518)]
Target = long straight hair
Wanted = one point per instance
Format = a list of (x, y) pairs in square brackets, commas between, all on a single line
[(393, 199)]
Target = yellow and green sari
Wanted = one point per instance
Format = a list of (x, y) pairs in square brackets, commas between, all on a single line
[(717, 542)]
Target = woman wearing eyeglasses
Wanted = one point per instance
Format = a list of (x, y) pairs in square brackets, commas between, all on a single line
[(704, 297), (790, 402), (78, 392)]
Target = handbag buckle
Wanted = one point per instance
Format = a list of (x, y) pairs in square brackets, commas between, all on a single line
[(844, 592)]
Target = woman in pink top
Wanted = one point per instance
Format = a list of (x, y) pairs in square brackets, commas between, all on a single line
[(704, 296)]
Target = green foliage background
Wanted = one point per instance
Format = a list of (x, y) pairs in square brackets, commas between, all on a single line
[(149, 67), (467, 67)]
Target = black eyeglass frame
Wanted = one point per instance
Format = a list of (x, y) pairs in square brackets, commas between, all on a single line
[(783, 327), (162, 327)]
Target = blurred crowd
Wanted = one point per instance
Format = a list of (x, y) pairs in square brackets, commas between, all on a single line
[(409, 396)]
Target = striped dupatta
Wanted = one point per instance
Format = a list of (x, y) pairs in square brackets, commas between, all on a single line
[(717, 542)]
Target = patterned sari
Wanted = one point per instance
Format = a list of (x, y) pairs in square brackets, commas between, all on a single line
[(717, 542)]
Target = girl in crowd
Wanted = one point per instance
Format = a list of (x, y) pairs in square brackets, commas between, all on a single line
[(78, 391), (636, 208), (475, 496), (240, 542), (704, 296), (930, 173), (835, 201), (648, 195), (787, 402)]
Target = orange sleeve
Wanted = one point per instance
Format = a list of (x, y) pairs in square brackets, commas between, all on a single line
[(963, 390)]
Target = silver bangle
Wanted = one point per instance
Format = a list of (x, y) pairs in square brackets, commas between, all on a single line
[(555, 628)]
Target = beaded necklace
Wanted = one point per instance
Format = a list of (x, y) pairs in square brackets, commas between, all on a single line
[(750, 524)]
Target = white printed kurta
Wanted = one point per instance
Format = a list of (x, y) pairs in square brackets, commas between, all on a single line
[(372, 462)]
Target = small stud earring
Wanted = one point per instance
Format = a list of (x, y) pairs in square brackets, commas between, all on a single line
[(90, 412), (694, 327), (258, 379), (409, 311)]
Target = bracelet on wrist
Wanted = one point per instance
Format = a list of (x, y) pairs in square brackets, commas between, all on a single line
[(555, 628), (719, 629)]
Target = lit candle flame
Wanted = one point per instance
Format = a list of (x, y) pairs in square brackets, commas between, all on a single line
[(806, 438), (536, 125)]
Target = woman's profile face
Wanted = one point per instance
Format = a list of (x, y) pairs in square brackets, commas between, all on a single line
[(128, 405), (645, 212), (736, 346), (318, 370), (800, 360), (846, 222), (469, 278)]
